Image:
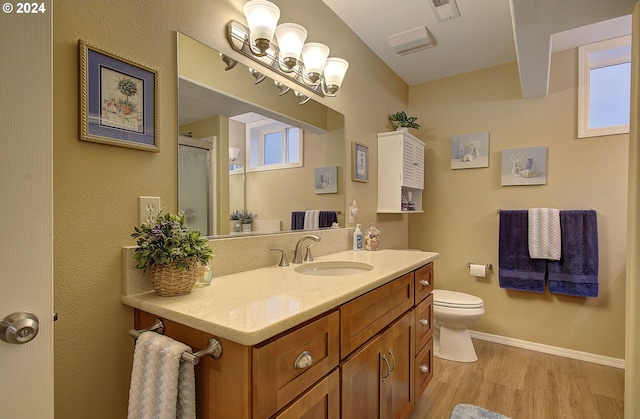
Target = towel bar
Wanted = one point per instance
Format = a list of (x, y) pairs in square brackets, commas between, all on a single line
[(488, 266), (213, 348)]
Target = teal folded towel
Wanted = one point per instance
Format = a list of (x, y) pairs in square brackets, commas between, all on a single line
[(576, 273)]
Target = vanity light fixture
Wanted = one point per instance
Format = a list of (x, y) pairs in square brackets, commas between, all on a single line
[(302, 98), (306, 64)]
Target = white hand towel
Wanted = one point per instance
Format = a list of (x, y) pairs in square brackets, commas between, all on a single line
[(315, 220), (544, 233), (307, 220), (162, 385)]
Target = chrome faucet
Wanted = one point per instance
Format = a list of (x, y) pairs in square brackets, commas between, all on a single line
[(297, 255)]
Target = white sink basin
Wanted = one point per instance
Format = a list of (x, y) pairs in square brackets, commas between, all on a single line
[(336, 268)]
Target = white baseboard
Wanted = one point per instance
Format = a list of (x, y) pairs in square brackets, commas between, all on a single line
[(553, 350)]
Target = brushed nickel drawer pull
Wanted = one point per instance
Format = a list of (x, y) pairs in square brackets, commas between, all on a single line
[(424, 322), (304, 360), (424, 368), (384, 358), (425, 283)]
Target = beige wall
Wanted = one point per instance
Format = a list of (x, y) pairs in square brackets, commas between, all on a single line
[(461, 222), (96, 187)]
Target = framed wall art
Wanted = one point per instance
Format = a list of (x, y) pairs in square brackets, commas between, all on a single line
[(469, 151), (524, 166), (359, 162), (326, 180), (119, 100)]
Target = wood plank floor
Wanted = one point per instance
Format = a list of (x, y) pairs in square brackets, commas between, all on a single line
[(524, 384)]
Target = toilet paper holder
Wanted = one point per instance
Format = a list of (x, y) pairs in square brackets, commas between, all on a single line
[(488, 266)]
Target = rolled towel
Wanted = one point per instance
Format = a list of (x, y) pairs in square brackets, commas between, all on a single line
[(544, 233)]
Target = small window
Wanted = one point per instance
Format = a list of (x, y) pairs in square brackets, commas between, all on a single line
[(273, 145), (604, 87)]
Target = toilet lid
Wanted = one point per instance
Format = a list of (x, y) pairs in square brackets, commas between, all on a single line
[(445, 298)]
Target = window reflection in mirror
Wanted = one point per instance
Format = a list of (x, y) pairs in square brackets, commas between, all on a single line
[(220, 107)]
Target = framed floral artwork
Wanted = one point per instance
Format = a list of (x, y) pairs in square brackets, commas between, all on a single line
[(359, 162), (119, 100)]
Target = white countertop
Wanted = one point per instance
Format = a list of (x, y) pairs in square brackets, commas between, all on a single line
[(252, 306)]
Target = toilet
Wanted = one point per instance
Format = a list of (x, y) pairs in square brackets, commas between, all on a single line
[(453, 313)]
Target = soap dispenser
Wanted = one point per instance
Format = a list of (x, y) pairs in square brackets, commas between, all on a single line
[(357, 238)]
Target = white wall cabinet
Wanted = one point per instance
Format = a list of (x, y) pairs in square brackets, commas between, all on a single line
[(400, 171)]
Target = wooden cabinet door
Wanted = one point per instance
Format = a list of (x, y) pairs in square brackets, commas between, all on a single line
[(397, 393), (377, 380), (361, 380)]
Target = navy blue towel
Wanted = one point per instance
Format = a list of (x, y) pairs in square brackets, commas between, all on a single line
[(576, 273), (517, 270), (297, 220), (327, 218)]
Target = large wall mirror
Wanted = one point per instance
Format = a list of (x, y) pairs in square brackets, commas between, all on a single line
[(246, 143)]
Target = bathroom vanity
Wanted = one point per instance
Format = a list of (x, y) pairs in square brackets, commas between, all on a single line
[(300, 344)]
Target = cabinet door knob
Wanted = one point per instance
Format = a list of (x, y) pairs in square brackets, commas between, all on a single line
[(424, 369), (304, 360), (424, 322), (425, 283)]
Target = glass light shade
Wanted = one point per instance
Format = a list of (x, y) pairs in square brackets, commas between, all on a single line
[(314, 55), (334, 71), (262, 17), (291, 37), (233, 153)]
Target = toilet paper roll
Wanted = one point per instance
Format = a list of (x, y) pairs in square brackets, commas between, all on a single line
[(477, 270)]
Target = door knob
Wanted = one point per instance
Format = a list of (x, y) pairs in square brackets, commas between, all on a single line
[(20, 327)]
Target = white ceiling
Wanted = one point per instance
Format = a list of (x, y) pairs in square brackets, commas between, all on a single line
[(488, 33)]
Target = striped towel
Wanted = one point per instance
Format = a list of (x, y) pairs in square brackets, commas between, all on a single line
[(162, 385), (544, 233)]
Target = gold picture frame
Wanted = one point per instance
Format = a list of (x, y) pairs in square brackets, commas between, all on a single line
[(118, 100)]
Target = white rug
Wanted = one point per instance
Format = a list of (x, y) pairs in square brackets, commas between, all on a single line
[(469, 411)]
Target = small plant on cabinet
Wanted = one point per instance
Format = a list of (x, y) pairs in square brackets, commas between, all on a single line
[(401, 120)]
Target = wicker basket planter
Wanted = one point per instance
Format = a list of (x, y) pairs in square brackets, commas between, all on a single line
[(169, 281)]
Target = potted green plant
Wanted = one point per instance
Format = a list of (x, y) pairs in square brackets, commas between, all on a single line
[(401, 120), (245, 217), (171, 253)]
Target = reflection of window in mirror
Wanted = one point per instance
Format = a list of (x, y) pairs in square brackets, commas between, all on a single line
[(604, 73), (273, 145)]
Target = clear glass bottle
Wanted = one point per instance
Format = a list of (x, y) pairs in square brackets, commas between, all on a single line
[(372, 238)]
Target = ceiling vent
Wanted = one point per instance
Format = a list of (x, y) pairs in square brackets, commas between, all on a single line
[(412, 41), (444, 9)]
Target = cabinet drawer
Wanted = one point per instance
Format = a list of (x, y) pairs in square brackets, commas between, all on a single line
[(322, 401), (362, 318), (424, 368), (276, 380), (424, 322), (423, 282)]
